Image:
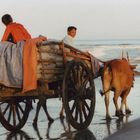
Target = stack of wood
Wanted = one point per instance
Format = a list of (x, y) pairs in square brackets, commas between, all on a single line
[(52, 57), (50, 62)]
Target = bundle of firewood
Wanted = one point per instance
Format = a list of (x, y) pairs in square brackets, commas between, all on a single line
[(52, 57), (50, 62)]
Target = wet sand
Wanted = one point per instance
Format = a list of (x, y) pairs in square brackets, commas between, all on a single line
[(130, 131), (98, 129)]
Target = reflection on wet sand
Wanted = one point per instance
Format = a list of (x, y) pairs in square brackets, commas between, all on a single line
[(84, 135), (68, 134), (19, 135), (120, 122), (75, 135), (35, 126)]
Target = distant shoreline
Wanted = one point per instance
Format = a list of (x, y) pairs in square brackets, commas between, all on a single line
[(108, 42)]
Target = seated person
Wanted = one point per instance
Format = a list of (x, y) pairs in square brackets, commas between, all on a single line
[(14, 32), (69, 38)]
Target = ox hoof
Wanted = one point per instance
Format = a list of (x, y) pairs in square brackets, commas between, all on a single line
[(35, 121), (118, 113), (108, 117), (128, 111), (51, 120), (35, 124), (121, 113), (62, 116)]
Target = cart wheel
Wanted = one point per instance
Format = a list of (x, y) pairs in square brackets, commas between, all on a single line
[(78, 94), (14, 113)]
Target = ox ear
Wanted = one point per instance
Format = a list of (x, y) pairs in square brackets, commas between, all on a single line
[(128, 57)]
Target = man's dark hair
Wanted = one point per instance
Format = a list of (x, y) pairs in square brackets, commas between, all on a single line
[(71, 28), (6, 19)]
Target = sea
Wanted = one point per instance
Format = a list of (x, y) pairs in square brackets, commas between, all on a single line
[(99, 128), (112, 49)]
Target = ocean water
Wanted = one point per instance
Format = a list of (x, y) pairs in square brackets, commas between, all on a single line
[(99, 127), (111, 49)]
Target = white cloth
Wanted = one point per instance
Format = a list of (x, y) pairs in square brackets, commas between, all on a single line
[(69, 40), (11, 69)]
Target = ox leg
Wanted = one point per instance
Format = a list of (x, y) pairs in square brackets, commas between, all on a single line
[(46, 111), (127, 110), (122, 103), (115, 99), (37, 112), (121, 107), (62, 112), (107, 106)]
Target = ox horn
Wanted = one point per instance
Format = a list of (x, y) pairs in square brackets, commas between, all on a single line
[(122, 53), (128, 57)]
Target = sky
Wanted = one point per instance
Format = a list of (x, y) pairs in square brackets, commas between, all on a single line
[(94, 19)]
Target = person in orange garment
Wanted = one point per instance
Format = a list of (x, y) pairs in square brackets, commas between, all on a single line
[(14, 32)]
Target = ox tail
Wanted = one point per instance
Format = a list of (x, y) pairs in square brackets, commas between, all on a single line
[(108, 71), (102, 93)]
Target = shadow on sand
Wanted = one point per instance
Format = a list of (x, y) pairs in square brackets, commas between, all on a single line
[(67, 134), (119, 122), (19, 135)]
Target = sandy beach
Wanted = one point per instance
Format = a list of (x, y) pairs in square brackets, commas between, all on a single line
[(99, 128), (107, 29)]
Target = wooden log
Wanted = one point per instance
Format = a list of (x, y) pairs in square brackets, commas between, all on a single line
[(77, 50), (67, 50), (52, 51), (39, 66), (48, 56), (46, 65), (51, 72), (52, 69), (52, 78), (50, 42), (39, 75), (59, 65), (38, 56), (77, 56), (49, 61), (50, 64), (45, 76), (88, 63), (69, 58), (48, 47)]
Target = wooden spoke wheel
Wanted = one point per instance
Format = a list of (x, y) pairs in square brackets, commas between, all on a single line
[(14, 113), (78, 94)]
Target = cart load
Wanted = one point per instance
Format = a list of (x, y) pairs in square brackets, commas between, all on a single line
[(64, 71)]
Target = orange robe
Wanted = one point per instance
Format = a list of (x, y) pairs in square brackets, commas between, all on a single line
[(30, 63), (17, 31)]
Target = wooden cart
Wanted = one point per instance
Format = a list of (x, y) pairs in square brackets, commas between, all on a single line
[(68, 73)]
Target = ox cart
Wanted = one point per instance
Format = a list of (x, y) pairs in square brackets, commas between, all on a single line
[(68, 73)]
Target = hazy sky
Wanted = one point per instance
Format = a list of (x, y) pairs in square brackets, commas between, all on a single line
[(95, 19)]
